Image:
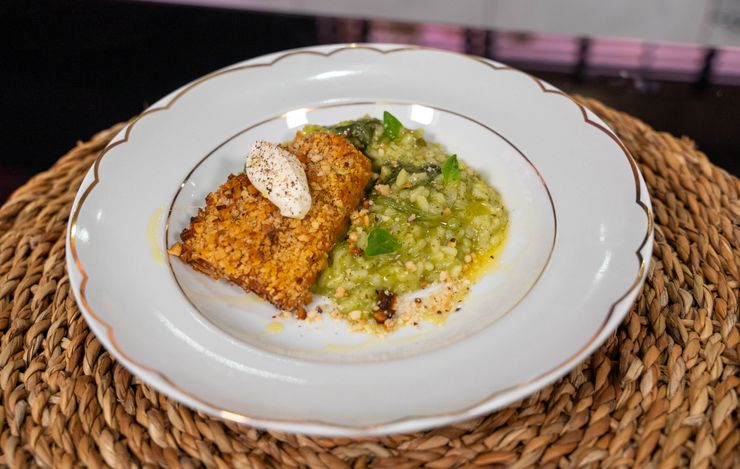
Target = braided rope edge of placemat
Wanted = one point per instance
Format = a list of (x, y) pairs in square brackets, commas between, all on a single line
[(661, 391)]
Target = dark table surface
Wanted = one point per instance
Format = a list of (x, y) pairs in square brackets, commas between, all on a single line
[(73, 68)]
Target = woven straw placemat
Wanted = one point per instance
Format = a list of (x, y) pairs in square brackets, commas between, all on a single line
[(662, 391)]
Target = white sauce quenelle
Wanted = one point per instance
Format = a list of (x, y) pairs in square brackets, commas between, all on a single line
[(279, 177)]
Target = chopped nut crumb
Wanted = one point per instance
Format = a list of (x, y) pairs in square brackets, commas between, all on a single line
[(313, 316), (446, 211), (410, 266), (412, 217), (340, 292), (443, 276), (452, 242), (383, 189), (468, 258)]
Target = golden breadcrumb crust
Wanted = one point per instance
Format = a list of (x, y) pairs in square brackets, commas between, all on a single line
[(240, 235)]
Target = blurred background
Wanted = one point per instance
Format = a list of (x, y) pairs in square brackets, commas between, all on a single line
[(75, 67)]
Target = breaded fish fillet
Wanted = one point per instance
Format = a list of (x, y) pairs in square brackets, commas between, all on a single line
[(240, 235)]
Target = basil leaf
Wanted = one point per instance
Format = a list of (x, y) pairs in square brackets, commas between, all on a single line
[(380, 241), (451, 170), (391, 126)]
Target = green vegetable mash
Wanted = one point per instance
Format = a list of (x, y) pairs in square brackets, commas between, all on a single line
[(428, 218)]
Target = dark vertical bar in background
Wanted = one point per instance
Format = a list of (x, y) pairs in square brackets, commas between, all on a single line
[(475, 41), (490, 43), (584, 46), (365, 30), (469, 41), (705, 75)]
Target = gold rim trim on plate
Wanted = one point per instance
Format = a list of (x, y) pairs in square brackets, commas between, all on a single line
[(262, 421)]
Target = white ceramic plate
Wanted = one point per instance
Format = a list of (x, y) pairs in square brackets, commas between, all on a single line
[(579, 241)]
